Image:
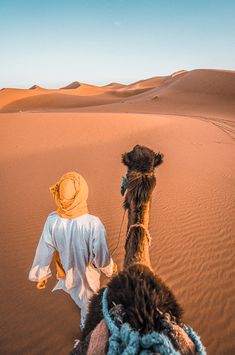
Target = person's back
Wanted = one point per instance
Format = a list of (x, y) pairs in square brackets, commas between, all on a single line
[(78, 241)]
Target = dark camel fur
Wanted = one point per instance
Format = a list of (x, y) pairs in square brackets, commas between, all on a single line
[(137, 288)]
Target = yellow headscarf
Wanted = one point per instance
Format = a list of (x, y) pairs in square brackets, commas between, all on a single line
[(70, 194)]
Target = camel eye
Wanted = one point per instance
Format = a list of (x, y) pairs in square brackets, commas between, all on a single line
[(158, 159), (125, 159)]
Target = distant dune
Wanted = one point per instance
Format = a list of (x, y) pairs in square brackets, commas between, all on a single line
[(179, 72), (35, 87), (209, 82), (151, 83), (138, 87), (56, 101), (207, 94), (200, 92), (73, 85), (114, 85)]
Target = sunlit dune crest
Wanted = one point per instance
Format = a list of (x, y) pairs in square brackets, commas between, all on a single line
[(73, 85), (114, 85), (179, 72), (35, 87)]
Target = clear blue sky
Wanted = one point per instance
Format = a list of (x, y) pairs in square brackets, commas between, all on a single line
[(54, 42)]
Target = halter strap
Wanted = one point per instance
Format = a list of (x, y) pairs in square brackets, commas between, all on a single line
[(136, 225)]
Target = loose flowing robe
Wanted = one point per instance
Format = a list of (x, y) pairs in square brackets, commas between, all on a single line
[(82, 247)]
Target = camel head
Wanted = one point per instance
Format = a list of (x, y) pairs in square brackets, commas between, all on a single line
[(140, 180), (142, 159)]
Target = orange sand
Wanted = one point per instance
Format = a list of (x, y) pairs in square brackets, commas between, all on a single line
[(192, 214)]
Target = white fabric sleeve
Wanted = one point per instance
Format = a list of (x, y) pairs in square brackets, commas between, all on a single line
[(40, 269), (101, 257)]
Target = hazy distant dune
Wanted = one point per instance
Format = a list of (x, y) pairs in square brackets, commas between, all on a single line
[(149, 83), (114, 85), (55, 102), (73, 85), (35, 87)]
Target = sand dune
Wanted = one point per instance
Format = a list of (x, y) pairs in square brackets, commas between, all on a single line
[(210, 82), (82, 89), (56, 101), (72, 96), (192, 219), (13, 100), (114, 85), (148, 83), (138, 87), (35, 87), (179, 72), (73, 85), (198, 92), (205, 94), (194, 91), (9, 95)]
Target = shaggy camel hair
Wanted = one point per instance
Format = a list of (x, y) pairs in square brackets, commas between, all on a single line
[(142, 294)]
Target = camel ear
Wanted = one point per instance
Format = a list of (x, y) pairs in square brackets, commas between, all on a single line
[(158, 159), (125, 159)]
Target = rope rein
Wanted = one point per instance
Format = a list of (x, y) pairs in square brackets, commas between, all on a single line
[(119, 234), (128, 233)]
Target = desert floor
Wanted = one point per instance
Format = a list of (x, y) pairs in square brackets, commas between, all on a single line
[(192, 216)]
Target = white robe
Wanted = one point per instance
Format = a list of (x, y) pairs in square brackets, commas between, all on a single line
[(81, 243)]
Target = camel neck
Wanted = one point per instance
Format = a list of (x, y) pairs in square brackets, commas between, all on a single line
[(137, 241), (139, 214)]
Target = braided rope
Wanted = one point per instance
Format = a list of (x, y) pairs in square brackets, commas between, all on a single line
[(144, 228), (196, 339), (126, 341)]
